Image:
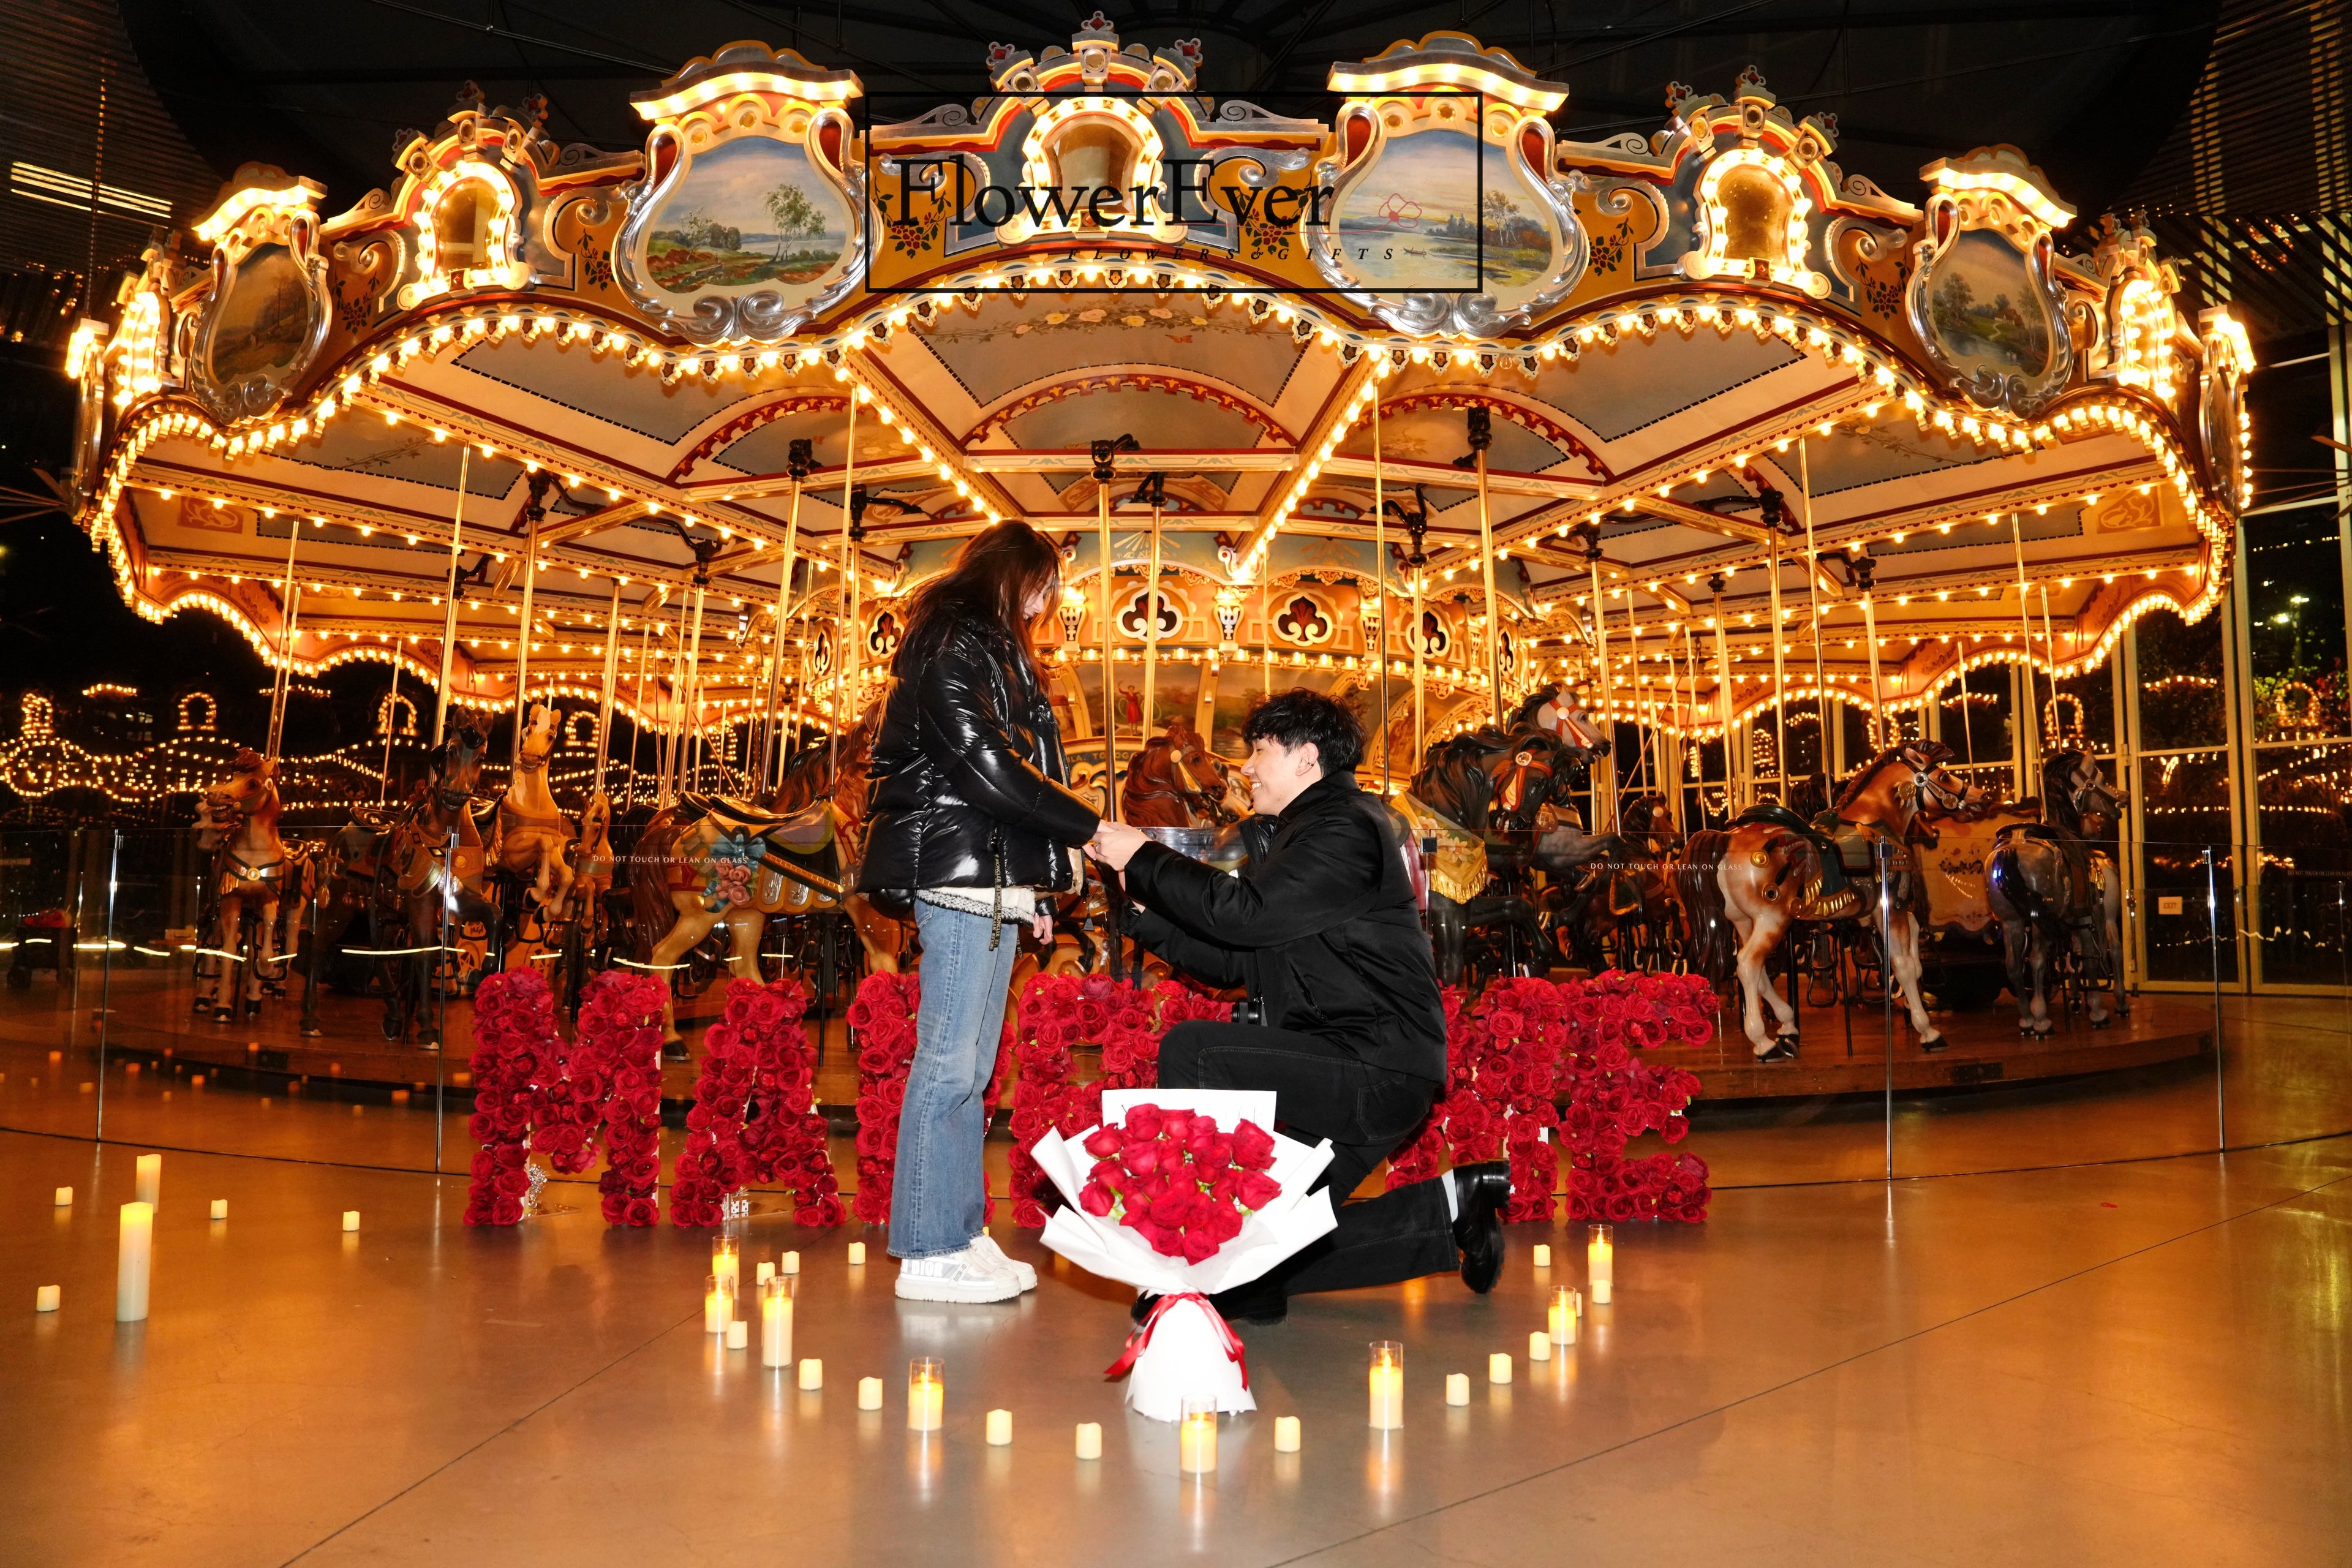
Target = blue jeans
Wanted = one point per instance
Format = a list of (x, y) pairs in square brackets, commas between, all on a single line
[(939, 1199)]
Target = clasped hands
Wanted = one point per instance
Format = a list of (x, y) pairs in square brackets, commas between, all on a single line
[(1114, 843)]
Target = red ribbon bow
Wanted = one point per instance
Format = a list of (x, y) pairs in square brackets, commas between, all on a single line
[(1141, 1337)]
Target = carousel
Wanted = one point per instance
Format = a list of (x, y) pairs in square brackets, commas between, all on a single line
[(1651, 499)]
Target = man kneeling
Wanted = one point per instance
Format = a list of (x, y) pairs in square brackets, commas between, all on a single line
[(1344, 1021)]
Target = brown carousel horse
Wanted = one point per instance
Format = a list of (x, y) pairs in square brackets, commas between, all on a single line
[(1773, 870), (420, 885), (1617, 902), (535, 840), (713, 864), (1175, 781), (249, 877), (2055, 892), (1486, 799)]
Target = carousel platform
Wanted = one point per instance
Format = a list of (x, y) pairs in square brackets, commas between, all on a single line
[(151, 1014)]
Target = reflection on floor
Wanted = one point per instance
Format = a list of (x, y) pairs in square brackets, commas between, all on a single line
[(2127, 1364)]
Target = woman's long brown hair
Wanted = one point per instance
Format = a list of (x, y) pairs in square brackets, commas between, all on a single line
[(994, 576)]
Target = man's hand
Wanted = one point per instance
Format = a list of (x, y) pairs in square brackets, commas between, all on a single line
[(1115, 844)]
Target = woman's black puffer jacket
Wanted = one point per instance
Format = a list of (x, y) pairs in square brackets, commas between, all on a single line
[(967, 785)]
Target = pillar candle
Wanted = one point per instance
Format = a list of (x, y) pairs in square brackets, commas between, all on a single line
[(65, 1197), (1089, 1439), (726, 1264), (45, 1298), (150, 1180), (927, 1394), (1499, 1367), (1457, 1388), (1562, 1316), (718, 1306), (1000, 1429), (1538, 1345), (1286, 1433), (790, 1264), (220, 1208), (1388, 1385), (1601, 1254), (856, 1254), (870, 1393), (1543, 1256), (350, 1220), (738, 1334), (775, 1328), (812, 1372), (765, 1272), (133, 1261), (1196, 1439)]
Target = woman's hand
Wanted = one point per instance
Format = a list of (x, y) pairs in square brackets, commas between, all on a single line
[(1115, 844), (1041, 927)]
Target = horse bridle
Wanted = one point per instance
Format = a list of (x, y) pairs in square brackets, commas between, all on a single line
[(1923, 778)]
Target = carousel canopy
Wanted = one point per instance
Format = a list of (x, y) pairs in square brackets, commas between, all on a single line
[(1686, 420)]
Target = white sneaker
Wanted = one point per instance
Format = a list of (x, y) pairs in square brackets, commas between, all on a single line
[(984, 1248), (965, 1276)]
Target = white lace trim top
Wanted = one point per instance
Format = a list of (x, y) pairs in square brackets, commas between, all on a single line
[(1019, 904)]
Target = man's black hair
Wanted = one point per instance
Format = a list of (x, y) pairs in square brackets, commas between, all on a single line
[(1293, 717)]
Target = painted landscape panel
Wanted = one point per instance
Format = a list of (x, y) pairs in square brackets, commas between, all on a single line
[(751, 214), (264, 318), (1983, 307), (1416, 220)]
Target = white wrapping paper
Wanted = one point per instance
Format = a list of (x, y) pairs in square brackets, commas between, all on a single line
[(1187, 1354)]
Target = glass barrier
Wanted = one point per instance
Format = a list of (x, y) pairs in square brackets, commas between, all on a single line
[(144, 1005)]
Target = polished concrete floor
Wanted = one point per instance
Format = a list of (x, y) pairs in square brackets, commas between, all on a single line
[(2139, 1362)]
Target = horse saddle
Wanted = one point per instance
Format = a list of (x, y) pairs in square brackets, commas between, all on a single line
[(804, 832), (1832, 853)]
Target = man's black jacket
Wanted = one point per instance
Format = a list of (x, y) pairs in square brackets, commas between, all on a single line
[(1322, 926)]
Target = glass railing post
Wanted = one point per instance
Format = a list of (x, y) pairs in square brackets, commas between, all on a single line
[(2214, 941), (105, 975)]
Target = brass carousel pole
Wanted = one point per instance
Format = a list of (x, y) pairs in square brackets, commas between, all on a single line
[(449, 619), (1380, 585), (637, 725), (605, 701), (384, 783), (844, 609), (1106, 454), (1418, 523), (522, 640), (1780, 663), (2028, 731), (690, 708), (772, 750), (1151, 611), (2049, 652), (1735, 793), (1814, 604), (1482, 436), (1605, 778), (1882, 736), (281, 689)]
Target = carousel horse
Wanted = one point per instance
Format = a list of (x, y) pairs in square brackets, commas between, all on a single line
[(419, 883), (1773, 868), (1481, 797), (711, 864), (249, 878), (1175, 781), (535, 840), (1612, 888), (2054, 891)]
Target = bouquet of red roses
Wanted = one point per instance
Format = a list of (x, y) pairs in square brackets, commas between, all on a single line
[(1175, 1178), (1187, 1194)]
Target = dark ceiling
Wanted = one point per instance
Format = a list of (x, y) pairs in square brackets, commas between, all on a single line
[(2087, 87)]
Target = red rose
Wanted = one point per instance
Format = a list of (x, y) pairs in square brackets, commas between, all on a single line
[(1257, 1189), (1102, 1144), (1096, 1199), (1143, 1121), (1253, 1147)]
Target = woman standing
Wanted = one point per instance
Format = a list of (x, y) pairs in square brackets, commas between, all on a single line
[(971, 822)]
